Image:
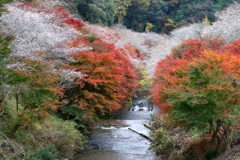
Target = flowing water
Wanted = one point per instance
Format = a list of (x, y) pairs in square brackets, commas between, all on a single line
[(123, 143)]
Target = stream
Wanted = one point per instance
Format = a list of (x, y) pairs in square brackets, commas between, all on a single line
[(123, 143)]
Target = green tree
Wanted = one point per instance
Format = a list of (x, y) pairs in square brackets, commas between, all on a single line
[(32, 92), (136, 17), (102, 11), (135, 14), (199, 11), (162, 13), (201, 94), (207, 99), (157, 15), (4, 52), (123, 5), (2, 2), (121, 9), (140, 15), (187, 11)]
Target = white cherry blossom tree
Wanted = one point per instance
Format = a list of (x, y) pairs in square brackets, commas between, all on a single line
[(40, 34), (227, 25)]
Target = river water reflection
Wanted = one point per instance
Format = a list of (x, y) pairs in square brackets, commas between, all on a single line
[(111, 143)]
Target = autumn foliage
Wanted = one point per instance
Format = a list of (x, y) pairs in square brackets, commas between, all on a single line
[(80, 69), (108, 81), (34, 91), (197, 87)]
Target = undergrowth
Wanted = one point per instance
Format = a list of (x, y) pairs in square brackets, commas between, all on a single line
[(173, 143), (51, 139)]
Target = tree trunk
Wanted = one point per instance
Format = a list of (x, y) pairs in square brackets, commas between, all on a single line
[(14, 130), (225, 143), (215, 135), (223, 135)]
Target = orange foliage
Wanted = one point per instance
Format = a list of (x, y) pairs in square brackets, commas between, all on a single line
[(193, 47), (109, 81), (233, 48), (170, 71), (74, 23), (35, 89)]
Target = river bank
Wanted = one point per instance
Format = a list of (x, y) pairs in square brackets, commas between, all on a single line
[(122, 139)]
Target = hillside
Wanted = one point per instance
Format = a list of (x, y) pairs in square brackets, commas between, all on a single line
[(147, 15)]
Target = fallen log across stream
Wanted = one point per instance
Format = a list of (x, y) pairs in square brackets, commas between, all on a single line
[(143, 135)]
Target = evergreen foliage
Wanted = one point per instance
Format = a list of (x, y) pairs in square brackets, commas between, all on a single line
[(46, 153), (139, 15), (164, 15), (101, 12), (2, 2), (33, 91), (167, 15), (4, 52)]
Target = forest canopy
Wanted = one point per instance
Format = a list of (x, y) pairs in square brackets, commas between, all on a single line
[(161, 16)]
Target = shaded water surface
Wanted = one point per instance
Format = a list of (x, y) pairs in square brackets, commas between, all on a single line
[(111, 143)]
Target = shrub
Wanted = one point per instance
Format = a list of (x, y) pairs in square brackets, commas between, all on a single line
[(92, 38), (63, 135), (52, 133), (46, 153), (161, 140), (210, 154)]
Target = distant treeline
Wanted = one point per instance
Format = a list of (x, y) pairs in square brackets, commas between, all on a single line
[(161, 16)]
